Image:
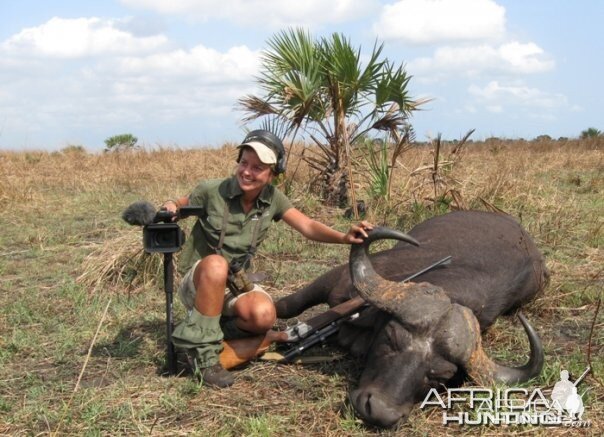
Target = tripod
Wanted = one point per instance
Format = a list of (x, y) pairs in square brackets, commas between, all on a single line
[(168, 238)]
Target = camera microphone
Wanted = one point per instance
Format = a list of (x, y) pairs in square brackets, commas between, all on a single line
[(141, 213)]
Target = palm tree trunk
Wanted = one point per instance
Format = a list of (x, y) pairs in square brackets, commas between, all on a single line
[(335, 188), (340, 178), (355, 211)]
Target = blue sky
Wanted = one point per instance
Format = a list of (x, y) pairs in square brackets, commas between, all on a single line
[(170, 72)]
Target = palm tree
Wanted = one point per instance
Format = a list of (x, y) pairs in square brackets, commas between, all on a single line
[(321, 88)]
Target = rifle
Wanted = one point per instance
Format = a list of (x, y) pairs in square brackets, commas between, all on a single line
[(304, 334), (580, 378)]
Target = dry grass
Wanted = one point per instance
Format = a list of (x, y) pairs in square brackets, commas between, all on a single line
[(65, 252)]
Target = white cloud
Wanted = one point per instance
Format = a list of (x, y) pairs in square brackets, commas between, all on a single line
[(509, 58), (496, 95), (86, 75), (524, 58), (73, 38), (471, 38), (200, 63), (262, 13), (162, 87), (436, 21)]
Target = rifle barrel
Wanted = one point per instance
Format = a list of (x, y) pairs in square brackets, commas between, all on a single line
[(320, 327), (446, 260), (580, 378)]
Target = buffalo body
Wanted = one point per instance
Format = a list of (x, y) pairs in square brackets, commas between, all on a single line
[(421, 335)]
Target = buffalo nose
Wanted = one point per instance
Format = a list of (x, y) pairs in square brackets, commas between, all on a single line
[(374, 408)]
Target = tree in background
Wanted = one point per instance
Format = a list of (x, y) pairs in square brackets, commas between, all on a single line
[(591, 132), (322, 88), (121, 142)]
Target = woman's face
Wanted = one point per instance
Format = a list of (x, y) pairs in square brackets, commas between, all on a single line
[(251, 173)]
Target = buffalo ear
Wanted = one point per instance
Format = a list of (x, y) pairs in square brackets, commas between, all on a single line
[(456, 334), (459, 340), (481, 368)]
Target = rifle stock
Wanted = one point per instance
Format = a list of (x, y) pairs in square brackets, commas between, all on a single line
[(240, 351)]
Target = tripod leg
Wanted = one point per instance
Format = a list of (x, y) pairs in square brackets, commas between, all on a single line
[(169, 289)]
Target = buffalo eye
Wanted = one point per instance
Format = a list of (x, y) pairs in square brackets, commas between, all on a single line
[(442, 369), (397, 336)]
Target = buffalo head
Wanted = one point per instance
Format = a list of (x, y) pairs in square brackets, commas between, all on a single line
[(422, 341)]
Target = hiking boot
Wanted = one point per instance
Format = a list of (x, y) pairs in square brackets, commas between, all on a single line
[(217, 376), (213, 376)]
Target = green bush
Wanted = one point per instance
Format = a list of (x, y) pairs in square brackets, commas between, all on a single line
[(74, 149), (591, 132), (120, 142)]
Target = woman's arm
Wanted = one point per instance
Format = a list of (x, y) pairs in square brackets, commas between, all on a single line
[(317, 231)]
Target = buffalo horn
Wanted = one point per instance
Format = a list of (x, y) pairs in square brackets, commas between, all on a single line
[(483, 370), (364, 277), (417, 304)]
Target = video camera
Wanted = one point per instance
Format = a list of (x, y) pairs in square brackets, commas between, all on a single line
[(160, 233), (166, 237)]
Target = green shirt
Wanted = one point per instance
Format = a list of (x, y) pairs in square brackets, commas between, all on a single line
[(213, 196)]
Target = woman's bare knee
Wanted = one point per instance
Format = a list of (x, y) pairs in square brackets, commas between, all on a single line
[(214, 264), (210, 281), (212, 269), (256, 312), (264, 317)]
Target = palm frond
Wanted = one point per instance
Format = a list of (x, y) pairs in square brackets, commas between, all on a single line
[(256, 107), (390, 120)]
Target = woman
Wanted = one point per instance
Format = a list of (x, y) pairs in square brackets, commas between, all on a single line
[(237, 214)]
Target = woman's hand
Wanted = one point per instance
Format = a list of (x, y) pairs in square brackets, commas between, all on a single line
[(172, 207), (357, 233)]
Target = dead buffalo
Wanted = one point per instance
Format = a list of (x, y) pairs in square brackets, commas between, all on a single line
[(419, 335)]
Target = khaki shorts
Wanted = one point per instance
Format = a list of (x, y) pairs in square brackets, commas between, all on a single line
[(186, 292)]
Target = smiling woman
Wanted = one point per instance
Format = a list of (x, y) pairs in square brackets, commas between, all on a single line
[(236, 215)]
